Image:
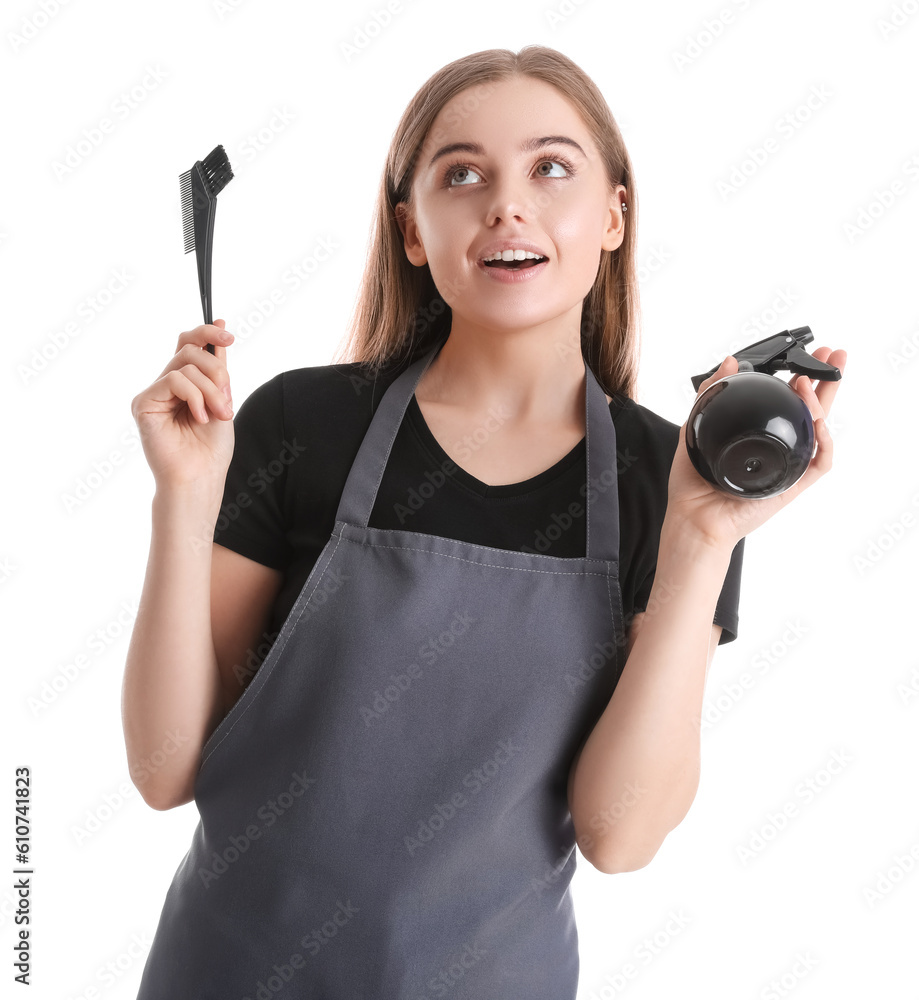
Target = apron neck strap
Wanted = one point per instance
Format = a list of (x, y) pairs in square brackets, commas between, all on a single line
[(600, 491)]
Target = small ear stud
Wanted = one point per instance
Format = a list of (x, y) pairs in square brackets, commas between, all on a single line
[(625, 207)]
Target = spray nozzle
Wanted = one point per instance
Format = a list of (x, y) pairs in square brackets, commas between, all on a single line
[(781, 352)]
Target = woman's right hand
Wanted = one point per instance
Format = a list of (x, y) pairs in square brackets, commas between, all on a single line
[(181, 438)]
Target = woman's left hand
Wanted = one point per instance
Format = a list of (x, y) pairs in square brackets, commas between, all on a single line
[(723, 519)]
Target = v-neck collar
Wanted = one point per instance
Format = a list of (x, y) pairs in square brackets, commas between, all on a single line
[(470, 482)]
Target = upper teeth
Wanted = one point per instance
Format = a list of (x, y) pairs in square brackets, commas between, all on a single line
[(513, 255)]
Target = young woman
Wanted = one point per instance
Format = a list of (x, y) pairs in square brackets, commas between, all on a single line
[(428, 618)]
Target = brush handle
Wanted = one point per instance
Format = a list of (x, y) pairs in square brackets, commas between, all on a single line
[(204, 268), (205, 208)]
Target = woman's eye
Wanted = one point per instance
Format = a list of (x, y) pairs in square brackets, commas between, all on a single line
[(456, 171), (550, 163), (461, 171)]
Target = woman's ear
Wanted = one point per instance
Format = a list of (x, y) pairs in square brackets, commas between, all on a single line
[(414, 248), (614, 233)]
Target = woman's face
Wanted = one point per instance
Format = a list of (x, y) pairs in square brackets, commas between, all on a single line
[(554, 196)]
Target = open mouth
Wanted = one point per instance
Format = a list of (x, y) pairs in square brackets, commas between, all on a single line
[(515, 265)]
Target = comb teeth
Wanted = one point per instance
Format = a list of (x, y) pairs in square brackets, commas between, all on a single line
[(188, 214), (217, 170)]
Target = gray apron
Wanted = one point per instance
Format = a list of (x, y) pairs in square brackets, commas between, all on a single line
[(384, 812)]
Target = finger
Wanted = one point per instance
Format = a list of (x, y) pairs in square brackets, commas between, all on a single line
[(802, 386), (820, 399), (822, 461), (826, 391), (179, 386), (216, 334), (203, 335), (203, 397), (220, 344), (212, 390), (213, 367), (208, 333), (727, 367)]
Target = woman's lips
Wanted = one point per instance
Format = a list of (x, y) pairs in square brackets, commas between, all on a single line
[(510, 276)]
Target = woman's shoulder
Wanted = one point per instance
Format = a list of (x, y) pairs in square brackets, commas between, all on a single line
[(353, 387), (319, 412), (350, 387), (639, 422), (645, 444)]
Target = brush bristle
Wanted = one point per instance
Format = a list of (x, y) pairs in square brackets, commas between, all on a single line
[(217, 170), (216, 173)]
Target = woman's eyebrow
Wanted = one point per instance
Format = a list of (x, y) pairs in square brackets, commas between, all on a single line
[(527, 146)]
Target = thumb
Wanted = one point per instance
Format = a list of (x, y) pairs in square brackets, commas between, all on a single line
[(727, 367)]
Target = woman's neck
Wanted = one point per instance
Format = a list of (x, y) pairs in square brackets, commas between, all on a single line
[(534, 375)]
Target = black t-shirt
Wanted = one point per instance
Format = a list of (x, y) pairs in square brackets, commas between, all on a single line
[(298, 434)]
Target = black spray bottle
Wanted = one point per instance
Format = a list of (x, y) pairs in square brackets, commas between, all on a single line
[(750, 434)]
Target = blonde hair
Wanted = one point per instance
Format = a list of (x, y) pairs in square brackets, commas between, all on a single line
[(399, 312)]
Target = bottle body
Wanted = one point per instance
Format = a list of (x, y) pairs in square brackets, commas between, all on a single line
[(750, 435)]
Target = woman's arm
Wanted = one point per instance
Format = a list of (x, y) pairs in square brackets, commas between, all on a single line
[(637, 773), (203, 612), (172, 694)]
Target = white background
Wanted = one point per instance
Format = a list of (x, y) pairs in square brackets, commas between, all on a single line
[(823, 233)]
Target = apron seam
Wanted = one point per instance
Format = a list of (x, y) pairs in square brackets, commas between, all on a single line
[(618, 627), (474, 562), (268, 673)]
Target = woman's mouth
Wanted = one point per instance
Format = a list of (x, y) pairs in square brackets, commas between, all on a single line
[(514, 265), (511, 271)]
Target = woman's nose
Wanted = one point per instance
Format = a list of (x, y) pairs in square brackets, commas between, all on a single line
[(511, 200)]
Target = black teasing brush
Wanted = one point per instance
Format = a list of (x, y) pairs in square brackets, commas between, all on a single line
[(200, 187)]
